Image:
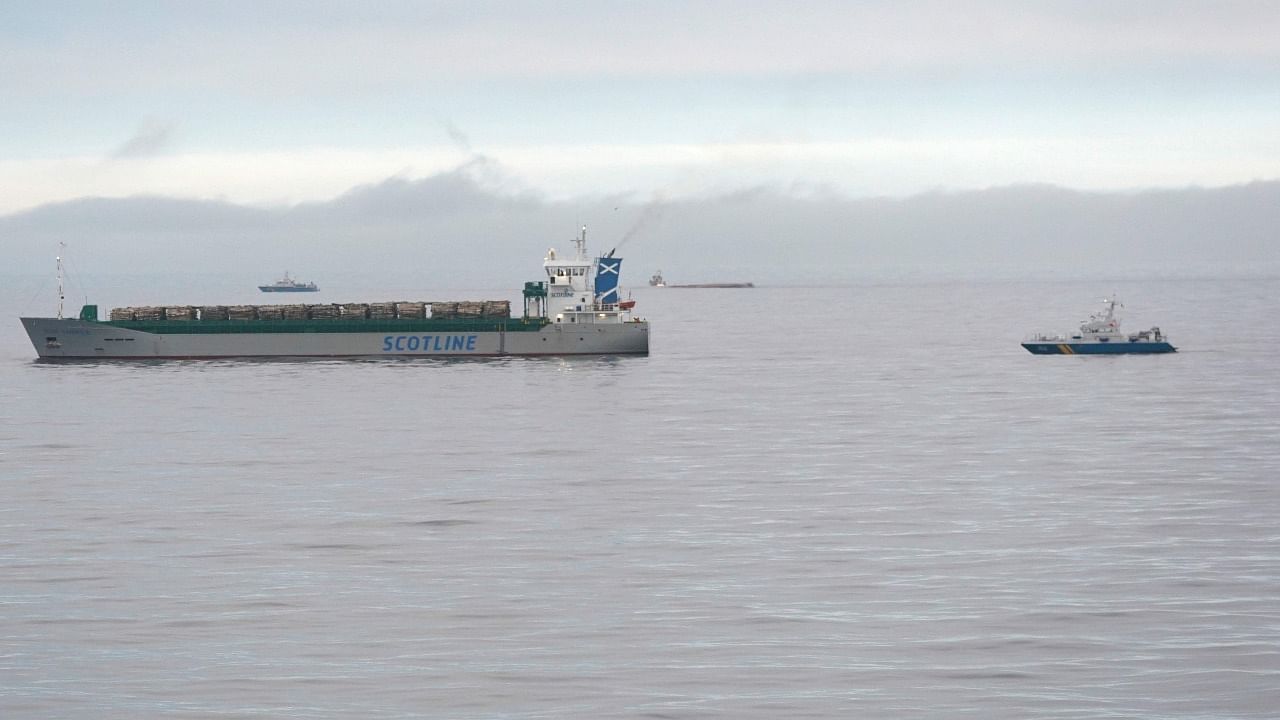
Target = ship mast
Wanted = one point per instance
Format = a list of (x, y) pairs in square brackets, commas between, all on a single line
[(61, 296)]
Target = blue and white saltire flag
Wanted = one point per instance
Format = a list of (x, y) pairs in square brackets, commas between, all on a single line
[(608, 270)]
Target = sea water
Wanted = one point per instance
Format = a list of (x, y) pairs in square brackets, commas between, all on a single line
[(862, 501)]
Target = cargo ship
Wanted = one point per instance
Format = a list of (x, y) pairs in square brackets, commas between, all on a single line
[(288, 284), (1100, 335), (575, 310), (656, 280)]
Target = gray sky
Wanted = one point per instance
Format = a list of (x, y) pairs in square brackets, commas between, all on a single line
[(274, 103)]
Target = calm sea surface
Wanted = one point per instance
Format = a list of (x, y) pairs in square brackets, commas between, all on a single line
[(806, 503)]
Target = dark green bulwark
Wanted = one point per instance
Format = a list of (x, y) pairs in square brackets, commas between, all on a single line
[(233, 327)]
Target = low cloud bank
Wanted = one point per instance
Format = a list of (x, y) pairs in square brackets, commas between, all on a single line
[(457, 232)]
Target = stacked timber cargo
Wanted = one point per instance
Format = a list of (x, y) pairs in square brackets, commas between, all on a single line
[(471, 309), (411, 310), (323, 312), (242, 312), (450, 310), (382, 311)]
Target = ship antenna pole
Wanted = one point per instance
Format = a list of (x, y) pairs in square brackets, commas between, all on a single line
[(60, 293)]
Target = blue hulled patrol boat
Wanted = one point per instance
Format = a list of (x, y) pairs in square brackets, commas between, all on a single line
[(1100, 335)]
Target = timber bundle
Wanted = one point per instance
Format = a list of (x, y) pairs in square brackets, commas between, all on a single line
[(453, 310)]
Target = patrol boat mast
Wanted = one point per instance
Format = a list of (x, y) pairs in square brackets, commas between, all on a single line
[(61, 295)]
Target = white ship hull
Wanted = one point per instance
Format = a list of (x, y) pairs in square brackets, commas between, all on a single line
[(56, 339)]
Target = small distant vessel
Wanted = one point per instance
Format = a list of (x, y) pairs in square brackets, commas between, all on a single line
[(1100, 335), (288, 284), (658, 281)]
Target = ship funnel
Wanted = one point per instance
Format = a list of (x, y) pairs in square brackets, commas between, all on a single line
[(608, 270)]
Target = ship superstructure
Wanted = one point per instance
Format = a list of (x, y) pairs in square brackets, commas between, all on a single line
[(582, 290)]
